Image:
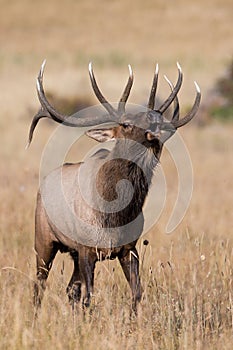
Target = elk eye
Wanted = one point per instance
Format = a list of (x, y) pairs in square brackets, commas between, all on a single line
[(127, 126)]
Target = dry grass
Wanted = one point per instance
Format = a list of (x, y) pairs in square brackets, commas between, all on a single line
[(187, 276)]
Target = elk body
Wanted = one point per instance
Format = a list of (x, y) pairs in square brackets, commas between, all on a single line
[(108, 220)]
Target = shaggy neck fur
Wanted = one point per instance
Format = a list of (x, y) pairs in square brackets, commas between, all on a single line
[(126, 177)]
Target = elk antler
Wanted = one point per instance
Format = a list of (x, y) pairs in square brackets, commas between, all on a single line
[(176, 112), (48, 111), (121, 105), (151, 102), (126, 92), (173, 97), (191, 114), (174, 92)]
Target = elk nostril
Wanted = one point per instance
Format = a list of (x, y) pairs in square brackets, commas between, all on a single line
[(152, 135)]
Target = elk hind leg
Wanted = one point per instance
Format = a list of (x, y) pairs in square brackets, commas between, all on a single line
[(44, 259), (73, 289), (87, 266)]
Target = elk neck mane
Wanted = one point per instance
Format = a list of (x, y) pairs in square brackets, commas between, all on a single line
[(134, 163)]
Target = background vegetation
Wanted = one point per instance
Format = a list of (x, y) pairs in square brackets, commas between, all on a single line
[(187, 276)]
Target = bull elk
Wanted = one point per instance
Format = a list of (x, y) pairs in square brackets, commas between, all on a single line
[(93, 209)]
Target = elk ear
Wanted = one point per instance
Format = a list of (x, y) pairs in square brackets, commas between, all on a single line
[(101, 135)]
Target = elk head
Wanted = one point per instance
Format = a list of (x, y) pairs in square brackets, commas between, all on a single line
[(149, 128)]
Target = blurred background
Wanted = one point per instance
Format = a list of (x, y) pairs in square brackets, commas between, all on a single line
[(112, 34)]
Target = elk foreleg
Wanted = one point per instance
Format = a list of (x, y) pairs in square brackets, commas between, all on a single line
[(130, 264)]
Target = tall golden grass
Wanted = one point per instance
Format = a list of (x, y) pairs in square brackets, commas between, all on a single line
[(187, 275)]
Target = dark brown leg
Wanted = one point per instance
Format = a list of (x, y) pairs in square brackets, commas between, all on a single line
[(44, 260), (87, 266), (46, 249), (74, 287), (130, 264)]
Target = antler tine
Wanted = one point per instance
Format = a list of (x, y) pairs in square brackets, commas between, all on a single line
[(126, 92), (151, 102), (193, 111), (48, 110), (174, 92), (100, 96), (39, 80), (41, 114), (42, 98), (176, 112)]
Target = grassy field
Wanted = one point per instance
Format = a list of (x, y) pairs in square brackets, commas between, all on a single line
[(187, 276)]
